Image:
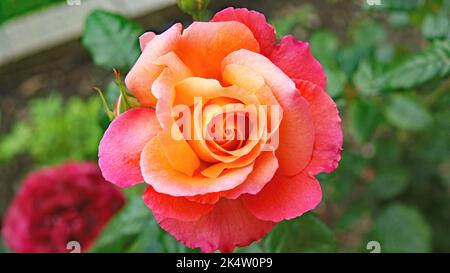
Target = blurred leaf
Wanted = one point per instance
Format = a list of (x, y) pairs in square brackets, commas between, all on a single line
[(349, 58), (306, 233), (147, 240), (324, 46), (12, 8), (253, 248), (366, 37), (436, 26), (55, 131), (16, 142), (111, 39), (338, 185), (353, 214), (302, 16), (364, 118), (399, 19), (122, 231), (134, 229), (406, 112), (387, 151), (384, 53), (432, 63), (400, 228), (336, 80), (369, 33), (363, 79), (389, 182)]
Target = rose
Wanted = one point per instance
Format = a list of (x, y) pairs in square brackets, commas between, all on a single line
[(70, 202), (218, 193)]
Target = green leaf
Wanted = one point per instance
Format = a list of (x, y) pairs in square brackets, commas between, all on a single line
[(369, 33), (432, 63), (406, 112), (399, 19), (306, 233), (111, 39), (355, 213), (55, 131), (364, 119), (400, 228), (389, 182), (436, 26), (147, 240), (363, 79), (122, 231), (324, 46), (348, 58), (367, 36), (16, 142), (302, 16), (384, 53), (336, 80)]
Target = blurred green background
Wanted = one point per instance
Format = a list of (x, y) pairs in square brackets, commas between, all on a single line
[(388, 70)]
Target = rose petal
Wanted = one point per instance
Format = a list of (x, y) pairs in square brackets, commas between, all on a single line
[(174, 207), (228, 225), (179, 70), (204, 44), (158, 172), (285, 197), (264, 33), (264, 169), (145, 38), (122, 144), (327, 124), (296, 136), (141, 76), (175, 148), (296, 60), (208, 89)]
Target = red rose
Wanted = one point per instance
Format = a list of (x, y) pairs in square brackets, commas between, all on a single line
[(71, 202)]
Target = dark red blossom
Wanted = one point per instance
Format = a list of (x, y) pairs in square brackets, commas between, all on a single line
[(70, 202)]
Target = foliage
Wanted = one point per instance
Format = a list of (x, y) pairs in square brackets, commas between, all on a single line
[(388, 185), (55, 131), (12, 8), (304, 234), (402, 229), (112, 40), (135, 230)]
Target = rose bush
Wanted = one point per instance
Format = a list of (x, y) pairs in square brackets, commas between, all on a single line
[(71, 202), (212, 192)]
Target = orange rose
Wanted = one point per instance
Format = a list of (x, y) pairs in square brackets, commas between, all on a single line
[(230, 133)]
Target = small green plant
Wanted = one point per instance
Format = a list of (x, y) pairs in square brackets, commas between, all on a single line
[(55, 131)]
